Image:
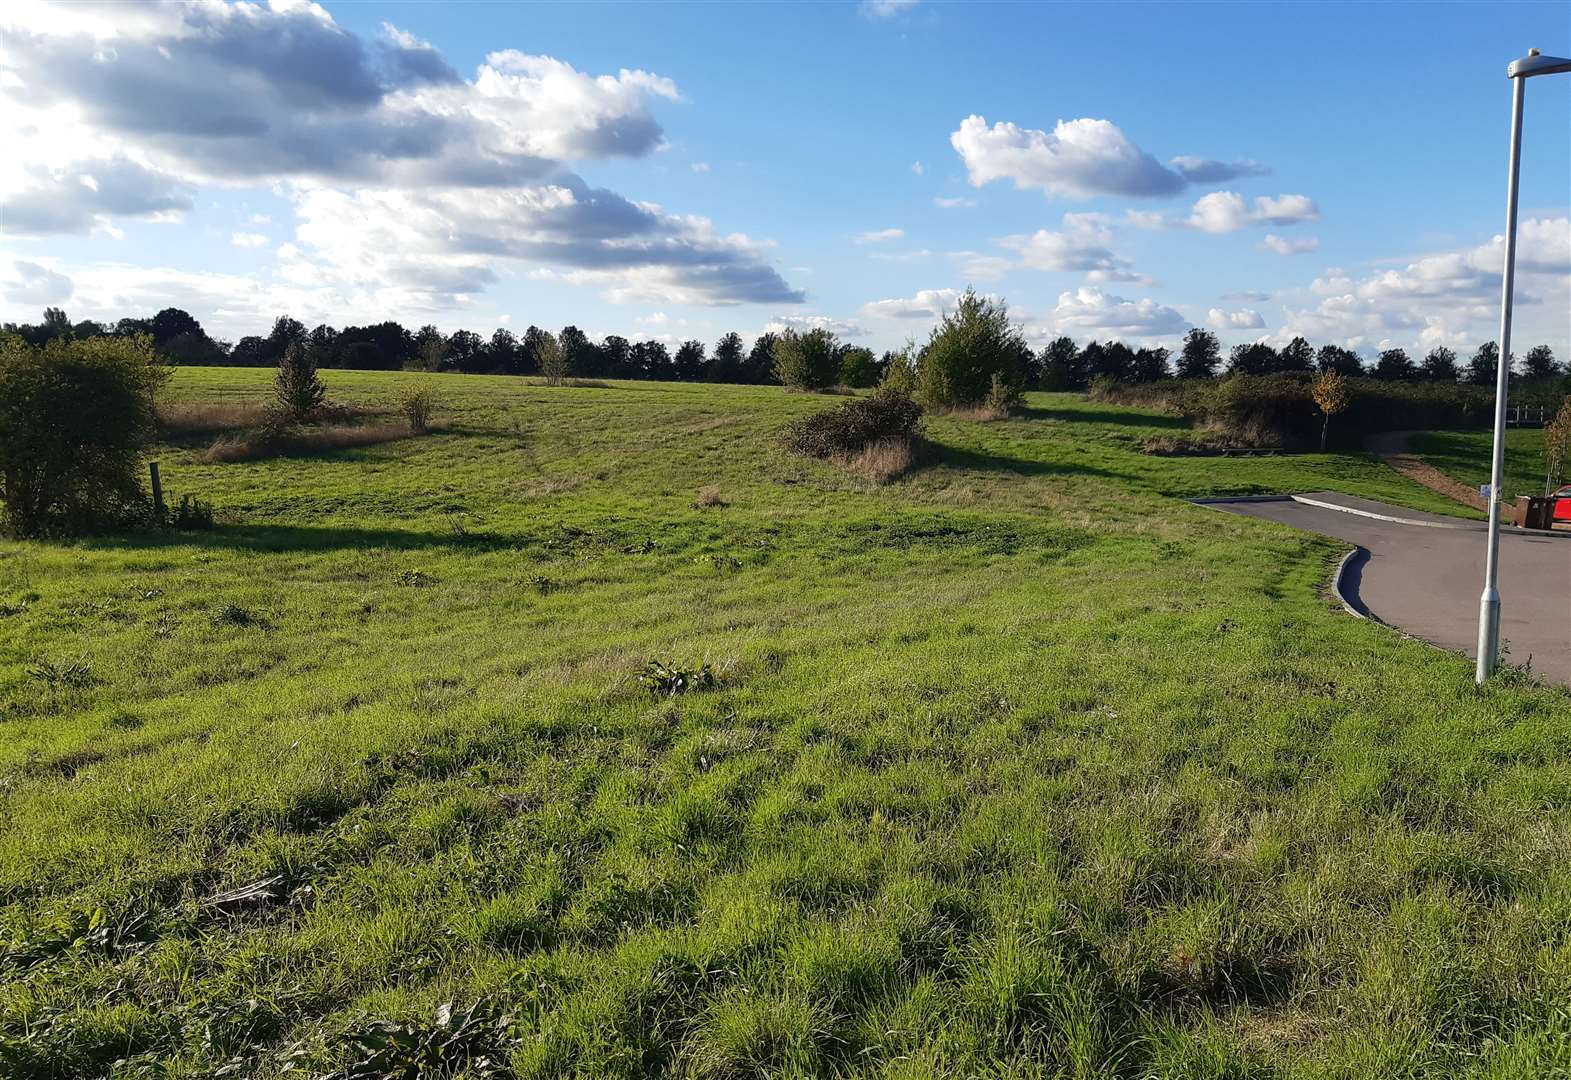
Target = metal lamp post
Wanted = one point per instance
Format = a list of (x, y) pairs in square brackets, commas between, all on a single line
[(1518, 72)]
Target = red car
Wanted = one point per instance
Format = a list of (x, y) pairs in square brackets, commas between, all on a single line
[(1560, 513)]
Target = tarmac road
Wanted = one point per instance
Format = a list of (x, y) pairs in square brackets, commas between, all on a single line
[(1426, 580)]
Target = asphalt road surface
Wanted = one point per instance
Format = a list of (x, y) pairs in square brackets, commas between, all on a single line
[(1426, 580)]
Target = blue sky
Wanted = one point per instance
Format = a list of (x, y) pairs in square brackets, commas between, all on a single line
[(680, 170)]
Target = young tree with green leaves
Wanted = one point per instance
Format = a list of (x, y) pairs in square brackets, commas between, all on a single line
[(1200, 355), (809, 361), (1539, 363), (1394, 364), (297, 389), (1439, 365), (968, 347)]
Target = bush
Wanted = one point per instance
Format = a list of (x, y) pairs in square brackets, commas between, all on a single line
[(809, 361), (418, 407), (900, 370), (848, 429), (298, 392), (74, 416), (971, 346)]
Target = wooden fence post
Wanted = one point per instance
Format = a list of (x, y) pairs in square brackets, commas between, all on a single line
[(158, 488)]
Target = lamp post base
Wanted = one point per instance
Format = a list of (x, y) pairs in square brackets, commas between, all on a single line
[(1488, 633)]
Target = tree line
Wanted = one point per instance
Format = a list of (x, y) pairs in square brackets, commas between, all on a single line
[(1063, 364)]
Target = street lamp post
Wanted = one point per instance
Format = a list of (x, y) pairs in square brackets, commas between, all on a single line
[(1518, 72)]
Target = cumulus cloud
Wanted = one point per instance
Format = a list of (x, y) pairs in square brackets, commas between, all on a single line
[(944, 203), (1447, 298), (31, 283), (901, 256), (1285, 246), (980, 266), (878, 236), (248, 240), (235, 93), (1227, 211), (926, 304), (1080, 247), (1080, 159), (1247, 319), (803, 323), (699, 166), (1199, 170), (1090, 312)]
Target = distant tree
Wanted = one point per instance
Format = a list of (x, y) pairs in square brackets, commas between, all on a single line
[(574, 346), (57, 324), (618, 354), (1093, 360), (1061, 366), (1296, 355), (297, 389), (466, 352), (89, 328), (286, 332), (249, 352), (1116, 362), (970, 346), (652, 360), (807, 361), (129, 327), (430, 348), (690, 363), (360, 355), (532, 345), (191, 348), (900, 369), (729, 357), (1201, 354), (1337, 359), (858, 367), (1331, 395), (1394, 364), (1253, 358), (74, 416), (1150, 365), (171, 323), (552, 359), (1539, 363), (394, 346), (1439, 365), (1484, 366), (322, 342), (502, 352), (759, 366)]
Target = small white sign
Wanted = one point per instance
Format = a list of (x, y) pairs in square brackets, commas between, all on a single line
[(1485, 490)]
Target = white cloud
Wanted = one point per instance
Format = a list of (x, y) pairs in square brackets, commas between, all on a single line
[(1205, 171), (918, 168), (1447, 298), (803, 323), (926, 304), (1080, 247), (885, 9), (1226, 211), (34, 284), (1247, 319), (900, 256), (699, 166), (1091, 312), (977, 266), (878, 236), (1285, 246), (1078, 158), (248, 240), (952, 204)]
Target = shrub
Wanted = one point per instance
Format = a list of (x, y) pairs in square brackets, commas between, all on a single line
[(848, 429), (669, 680), (900, 370), (552, 358), (709, 496), (1557, 447), (809, 361), (190, 513), (858, 367), (74, 416), (297, 389), (418, 407), (968, 348)]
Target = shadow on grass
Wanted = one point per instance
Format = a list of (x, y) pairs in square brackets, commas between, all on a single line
[(954, 457), (1120, 417), (275, 538)]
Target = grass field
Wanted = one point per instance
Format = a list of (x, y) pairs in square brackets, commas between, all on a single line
[(1017, 766), (1464, 456)]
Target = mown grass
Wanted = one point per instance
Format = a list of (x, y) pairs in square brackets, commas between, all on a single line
[(1465, 456), (1016, 765)]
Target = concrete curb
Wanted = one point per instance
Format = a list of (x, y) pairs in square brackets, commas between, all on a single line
[(1339, 585)]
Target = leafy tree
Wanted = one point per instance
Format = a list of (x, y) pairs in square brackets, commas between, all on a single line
[(533, 346), (552, 359), (1254, 358), (323, 345), (1340, 360), (1439, 365), (900, 368), (727, 363), (249, 352), (286, 332), (690, 363), (502, 352), (1061, 366), (1296, 355), (1331, 395), (171, 323), (1117, 362), (1201, 354), (74, 416), (969, 346), (618, 354), (466, 352), (297, 389), (89, 328), (858, 367), (1150, 365), (57, 324), (759, 367), (192, 348), (1539, 363), (575, 349), (807, 361), (1483, 368), (393, 347), (430, 348), (1394, 364), (652, 360)]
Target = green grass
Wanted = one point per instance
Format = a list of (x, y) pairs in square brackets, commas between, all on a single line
[(1465, 456), (1020, 765)]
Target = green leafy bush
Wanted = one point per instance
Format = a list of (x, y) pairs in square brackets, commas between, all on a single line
[(851, 427), (809, 361), (74, 416), (969, 348), (668, 680), (418, 407)]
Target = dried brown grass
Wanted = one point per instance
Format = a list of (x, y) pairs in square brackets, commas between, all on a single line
[(709, 496), (209, 417), (881, 461), (980, 411), (294, 442)]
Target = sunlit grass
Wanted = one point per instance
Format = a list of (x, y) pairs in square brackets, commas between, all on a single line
[(1017, 764)]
